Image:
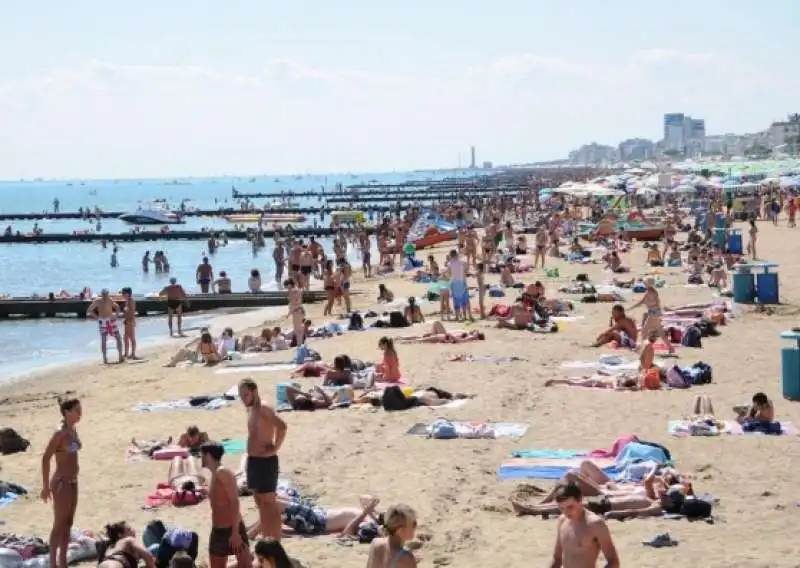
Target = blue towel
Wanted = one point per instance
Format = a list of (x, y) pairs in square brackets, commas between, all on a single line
[(7, 499), (549, 454), (541, 472), (635, 452)]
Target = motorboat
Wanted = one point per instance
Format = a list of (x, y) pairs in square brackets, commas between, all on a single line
[(152, 215)]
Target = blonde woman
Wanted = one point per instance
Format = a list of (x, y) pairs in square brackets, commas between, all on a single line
[(399, 526)]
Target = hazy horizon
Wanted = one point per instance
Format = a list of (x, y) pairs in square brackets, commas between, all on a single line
[(100, 91)]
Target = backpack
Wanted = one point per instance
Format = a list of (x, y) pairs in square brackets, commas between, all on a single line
[(692, 337), (694, 508), (443, 430), (702, 373), (397, 319), (356, 322)]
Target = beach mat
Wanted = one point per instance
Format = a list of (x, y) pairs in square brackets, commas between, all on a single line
[(549, 454), (548, 468), (468, 429), (261, 368), (680, 429)]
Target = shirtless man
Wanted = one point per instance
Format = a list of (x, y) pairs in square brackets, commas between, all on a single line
[(204, 275), (471, 246), (365, 245), (623, 330), (129, 317), (306, 268), (541, 246), (175, 295), (106, 311), (222, 285), (193, 438), (294, 260), (317, 254), (520, 318), (266, 432), (228, 533), (277, 256), (580, 535)]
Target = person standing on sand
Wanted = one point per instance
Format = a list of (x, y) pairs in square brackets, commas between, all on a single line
[(228, 533), (204, 275), (129, 329), (580, 534), (64, 444), (296, 311), (176, 296), (266, 432), (106, 311)]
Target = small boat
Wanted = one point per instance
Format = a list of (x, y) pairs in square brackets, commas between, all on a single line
[(153, 215), (434, 236), (350, 216)]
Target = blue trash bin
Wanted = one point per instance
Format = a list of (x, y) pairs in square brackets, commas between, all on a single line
[(719, 221), (735, 241), (744, 285), (790, 366), (767, 288)]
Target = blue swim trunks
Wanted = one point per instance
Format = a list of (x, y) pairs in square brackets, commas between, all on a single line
[(305, 519), (459, 293)]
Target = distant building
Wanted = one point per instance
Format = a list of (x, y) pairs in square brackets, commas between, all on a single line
[(594, 153), (636, 149), (487, 165), (472, 163), (683, 134), (779, 133)]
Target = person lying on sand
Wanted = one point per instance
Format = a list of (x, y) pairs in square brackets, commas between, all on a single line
[(338, 373), (317, 398), (193, 438), (438, 334), (122, 549), (600, 381), (185, 479), (623, 330), (430, 396)]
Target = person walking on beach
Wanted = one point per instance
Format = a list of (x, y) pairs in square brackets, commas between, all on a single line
[(580, 534), (204, 275), (129, 329), (62, 487), (106, 311), (176, 296), (228, 533), (296, 311), (266, 432)]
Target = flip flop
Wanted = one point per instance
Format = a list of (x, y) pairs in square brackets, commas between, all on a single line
[(660, 541)]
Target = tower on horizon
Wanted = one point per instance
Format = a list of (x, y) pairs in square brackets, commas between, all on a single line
[(472, 164)]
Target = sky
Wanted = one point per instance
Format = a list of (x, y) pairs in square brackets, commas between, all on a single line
[(98, 89)]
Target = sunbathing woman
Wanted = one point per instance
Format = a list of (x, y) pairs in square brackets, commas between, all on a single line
[(317, 398), (338, 372), (209, 351), (439, 334), (64, 445), (122, 549), (388, 370), (601, 381), (430, 396), (184, 477)]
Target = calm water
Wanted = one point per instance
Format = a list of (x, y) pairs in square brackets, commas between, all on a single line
[(47, 268)]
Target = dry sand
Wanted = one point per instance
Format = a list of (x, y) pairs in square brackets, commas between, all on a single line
[(465, 517)]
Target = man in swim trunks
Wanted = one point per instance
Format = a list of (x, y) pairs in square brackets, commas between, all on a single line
[(106, 311), (623, 330), (580, 534), (175, 295), (204, 275), (228, 533), (266, 432), (306, 268), (129, 317), (304, 519), (294, 260)]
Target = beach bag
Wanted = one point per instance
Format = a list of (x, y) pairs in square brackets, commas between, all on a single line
[(675, 378), (694, 508), (552, 272), (397, 319), (495, 292), (11, 442), (639, 288), (701, 373), (692, 337), (443, 430), (356, 322), (582, 277), (651, 379)]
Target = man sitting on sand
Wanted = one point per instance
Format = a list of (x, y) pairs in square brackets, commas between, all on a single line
[(623, 330), (193, 438)]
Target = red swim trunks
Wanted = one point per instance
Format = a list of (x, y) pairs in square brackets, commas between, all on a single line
[(107, 326)]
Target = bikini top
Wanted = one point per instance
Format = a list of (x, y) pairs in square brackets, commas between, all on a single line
[(73, 445), (127, 559), (396, 558)]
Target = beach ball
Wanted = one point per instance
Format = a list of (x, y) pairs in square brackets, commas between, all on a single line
[(410, 248)]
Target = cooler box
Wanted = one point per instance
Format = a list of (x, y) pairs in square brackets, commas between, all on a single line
[(744, 286), (767, 288), (790, 367), (735, 241)]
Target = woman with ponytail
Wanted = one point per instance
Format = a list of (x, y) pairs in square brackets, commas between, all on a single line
[(122, 550)]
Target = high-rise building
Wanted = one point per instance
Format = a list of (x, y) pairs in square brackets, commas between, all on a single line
[(472, 163), (636, 149), (683, 134)]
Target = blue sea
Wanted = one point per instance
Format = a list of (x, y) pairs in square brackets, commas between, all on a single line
[(31, 345)]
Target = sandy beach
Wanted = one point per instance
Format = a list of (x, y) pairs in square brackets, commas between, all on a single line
[(464, 511)]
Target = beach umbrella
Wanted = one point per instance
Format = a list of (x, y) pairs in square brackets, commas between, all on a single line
[(749, 185), (684, 188), (646, 191), (787, 182)]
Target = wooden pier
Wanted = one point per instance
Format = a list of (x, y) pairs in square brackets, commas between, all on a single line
[(44, 308)]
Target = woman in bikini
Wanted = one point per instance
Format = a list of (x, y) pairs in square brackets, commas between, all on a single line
[(329, 283), (63, 485), (208, 349), (388, 370), (122, 550), (652, 318)]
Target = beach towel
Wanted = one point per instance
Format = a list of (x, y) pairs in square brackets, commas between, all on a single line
[(549, 468), (205, 402), (635, 452), (467, 358), (234, 446), (474, 429), (685, 428), (609, 364), (7, 498), (549, 454)]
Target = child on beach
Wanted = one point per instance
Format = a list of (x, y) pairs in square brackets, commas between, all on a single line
[(129, 330), (388, 370)]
